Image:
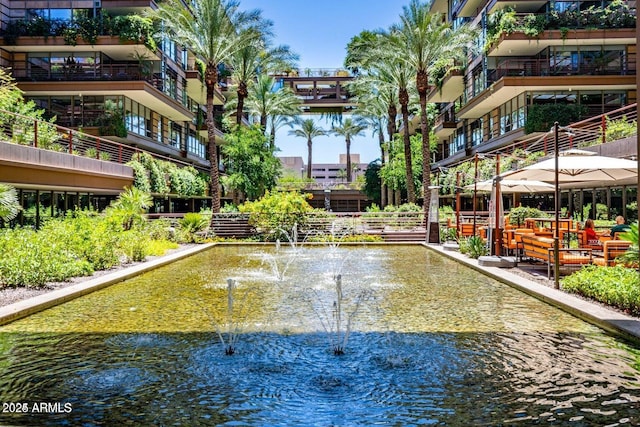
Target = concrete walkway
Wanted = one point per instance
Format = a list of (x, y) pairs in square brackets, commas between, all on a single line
[(612, 321), (24, 308)]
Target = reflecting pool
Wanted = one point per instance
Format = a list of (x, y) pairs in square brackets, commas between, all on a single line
[(430, 342)]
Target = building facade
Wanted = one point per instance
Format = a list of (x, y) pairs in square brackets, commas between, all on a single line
[(103, 68), (535, 62)]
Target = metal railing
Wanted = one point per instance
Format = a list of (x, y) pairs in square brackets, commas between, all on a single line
[(24, 130), (309, 224), (584, 133)]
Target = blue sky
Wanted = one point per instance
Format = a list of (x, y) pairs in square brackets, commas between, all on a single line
[(319, 31)]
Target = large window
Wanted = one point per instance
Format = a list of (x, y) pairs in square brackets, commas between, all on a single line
[(585, 60), (457, 144), (195, 146), (138, 118), (476, 132), (512, 114)]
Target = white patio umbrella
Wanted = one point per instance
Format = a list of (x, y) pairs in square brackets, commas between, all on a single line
[(579, 166), (513, 186)]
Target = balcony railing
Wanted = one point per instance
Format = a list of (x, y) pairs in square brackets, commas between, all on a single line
[(28, 131), (540, 67), (584, 133), (117, 71)]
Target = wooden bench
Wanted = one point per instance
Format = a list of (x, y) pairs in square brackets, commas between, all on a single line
[(541, 249), (512, 241), (610, 250)]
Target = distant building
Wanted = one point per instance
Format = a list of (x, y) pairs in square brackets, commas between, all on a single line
[(325, 173)]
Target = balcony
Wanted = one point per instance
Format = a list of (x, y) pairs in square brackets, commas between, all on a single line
[(512, 77), (509, 87), (520, 44), (112, 46), (445, 124), (197, 91), (451, 89)]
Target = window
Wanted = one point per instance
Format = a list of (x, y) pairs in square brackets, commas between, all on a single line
[(195, 146), (175, 136)]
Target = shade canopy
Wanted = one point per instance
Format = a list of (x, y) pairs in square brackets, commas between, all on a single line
[(577, 166), (513, 186)]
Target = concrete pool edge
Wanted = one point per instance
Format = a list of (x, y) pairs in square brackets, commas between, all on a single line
[(29, 306), (612, 321)]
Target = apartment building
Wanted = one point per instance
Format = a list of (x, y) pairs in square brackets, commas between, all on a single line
[(536, 62), (102, 68)]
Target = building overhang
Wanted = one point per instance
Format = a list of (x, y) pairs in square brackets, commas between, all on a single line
[(522, 6), (452, 88), (519, 44), (197, 90), (110, 45), (137, 90), (29, 167), (445, 129), (509, 87)]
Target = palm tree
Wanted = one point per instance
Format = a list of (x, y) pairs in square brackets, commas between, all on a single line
[(130, 206), (427, 43), (265, 102), (377, 108), (308, 130), (9, 205), (379, 56), (214, 30), (349, 129), (257, 59)]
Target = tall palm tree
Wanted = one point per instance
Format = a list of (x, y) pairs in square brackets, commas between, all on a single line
[(308, 130), (427, 43), (269, 104), (373, 110), (213, 30), (350, 128), (379, 56), (257, 59)]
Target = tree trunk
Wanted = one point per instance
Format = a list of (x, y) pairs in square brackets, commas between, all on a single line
[(272, 137), (383, 187), (263, 123), (392, 112), (404, 107), (422, 84), (348, 141), (309, 147), (211, 79), (242, 95)]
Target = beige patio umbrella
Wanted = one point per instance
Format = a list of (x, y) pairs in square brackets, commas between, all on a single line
[(578, 166), (508, 186)]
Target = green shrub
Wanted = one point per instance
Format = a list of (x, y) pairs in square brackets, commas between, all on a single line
[(617, 286), (28, 259), (160, 229), (159, 247), (191, 224), (448, 234), (277, 211), (133, 245), (474, 247)]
